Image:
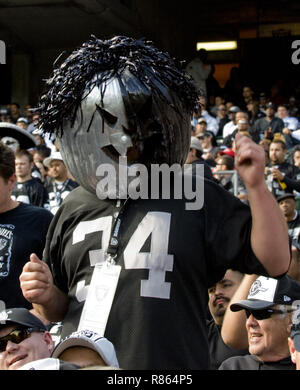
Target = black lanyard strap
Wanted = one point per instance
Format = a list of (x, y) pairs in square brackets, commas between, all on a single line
[(113, 246)]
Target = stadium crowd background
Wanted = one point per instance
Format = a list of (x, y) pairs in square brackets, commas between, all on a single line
[(270, 117)]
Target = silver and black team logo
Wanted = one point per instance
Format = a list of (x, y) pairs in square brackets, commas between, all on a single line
[(6, 242), (256, 288)]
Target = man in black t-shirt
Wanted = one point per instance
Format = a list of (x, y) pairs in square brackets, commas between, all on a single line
[(269, 125), (287, 204), (27, 189), (281, 176), (23, 230), (159, 258), (219, 297), (58, 185)]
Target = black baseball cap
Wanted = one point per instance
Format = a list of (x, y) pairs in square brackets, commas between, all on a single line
[(266, 292), (271, 105), (20, 316), (285, 196)]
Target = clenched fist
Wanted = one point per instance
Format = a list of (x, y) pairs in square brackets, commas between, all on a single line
[(249, 161), (36, 281)]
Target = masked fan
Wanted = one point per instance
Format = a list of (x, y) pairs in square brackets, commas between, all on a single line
[(138, 270)]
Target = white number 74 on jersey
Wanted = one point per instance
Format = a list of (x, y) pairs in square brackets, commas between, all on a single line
[(158, 261)]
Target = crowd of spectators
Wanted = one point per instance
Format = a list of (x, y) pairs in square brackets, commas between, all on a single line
[(42, 180)]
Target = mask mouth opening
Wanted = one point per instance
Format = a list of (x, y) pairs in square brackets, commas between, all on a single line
[(132, 154), (112, 153)]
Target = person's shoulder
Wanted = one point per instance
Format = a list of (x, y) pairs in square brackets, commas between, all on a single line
[(79, 200), (80, 195), (73, 183), (228, 124), (260, 120), (39, 212), (35, 182), (246, 362), (279, 120), (211, 327)]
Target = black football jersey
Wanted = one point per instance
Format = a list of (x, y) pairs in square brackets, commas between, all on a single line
[(294, 228), (290, 181), (57, 192), (169, 257), (31, 192)]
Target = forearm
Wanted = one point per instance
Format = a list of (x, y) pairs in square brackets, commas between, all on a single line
[(269, 235), (234, 331), (55, 308)]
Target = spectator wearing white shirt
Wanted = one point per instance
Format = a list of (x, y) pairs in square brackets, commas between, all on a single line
[(290, 122), (231, 126), (199, 70), (291, 125)]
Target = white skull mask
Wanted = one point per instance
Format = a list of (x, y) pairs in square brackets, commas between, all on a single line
[(97, 136)]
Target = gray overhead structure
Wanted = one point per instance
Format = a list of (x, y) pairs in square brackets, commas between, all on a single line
[(37, 31)]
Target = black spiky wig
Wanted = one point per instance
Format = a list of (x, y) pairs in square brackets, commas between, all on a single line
[(159, 97)]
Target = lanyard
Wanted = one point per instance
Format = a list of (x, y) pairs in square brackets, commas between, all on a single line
[(113, 246), (58, 192)]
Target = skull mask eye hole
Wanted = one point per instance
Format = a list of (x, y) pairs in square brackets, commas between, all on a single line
[(107, 116)]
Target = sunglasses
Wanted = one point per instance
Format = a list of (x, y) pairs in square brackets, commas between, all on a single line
[(17, 336), (264, 314)]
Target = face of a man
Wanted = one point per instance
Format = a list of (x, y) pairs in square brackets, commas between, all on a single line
[(297, 158), (14, 109), (36, 346), (263, 101), (288, 207), (268, 339), (6, 187), (58, 170), (23, 125), (23, 166), (221, 293), (270, 112), (240, 115), (282, 112), (295, 355), (247, 92), (222, 111), (276, 153), (200, 128), (221, 164), (243, 126), (205, 141)]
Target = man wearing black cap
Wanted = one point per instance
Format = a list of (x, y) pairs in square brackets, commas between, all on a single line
[(194, 157), (23, 338), (287, 204), (294, 339), (229, 127), (268, 309), (281, 176), (209, 147), (269, 125)]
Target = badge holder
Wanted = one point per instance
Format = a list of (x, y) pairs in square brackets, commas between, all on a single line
[(103, 286)]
